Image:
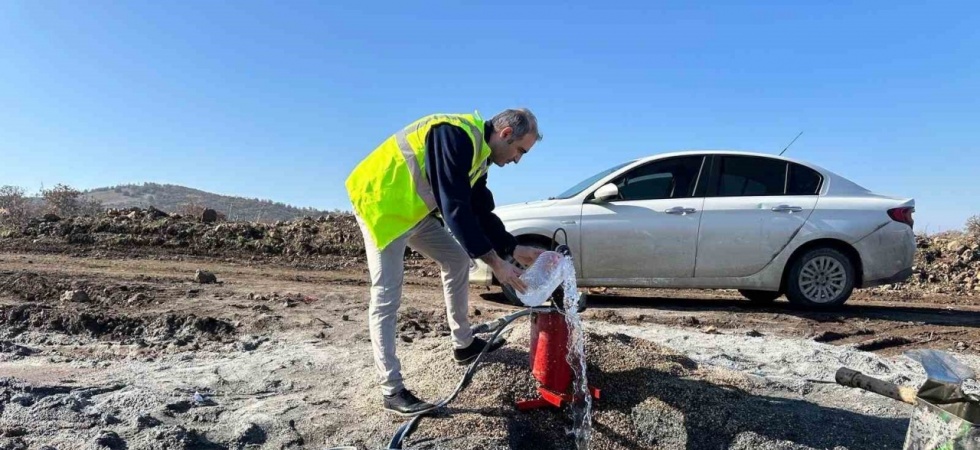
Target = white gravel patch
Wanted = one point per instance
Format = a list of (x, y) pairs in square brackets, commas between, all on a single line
[(789, 361)]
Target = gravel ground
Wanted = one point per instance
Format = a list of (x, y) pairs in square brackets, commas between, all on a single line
[(796, 364), (280, 358)]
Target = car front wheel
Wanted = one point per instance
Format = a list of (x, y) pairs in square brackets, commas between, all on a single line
[(820, 278)]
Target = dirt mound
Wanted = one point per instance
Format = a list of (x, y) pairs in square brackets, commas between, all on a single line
[(50, 289), (334, 234), (332, 241), (31, 286), (947, 263), (181, 329)]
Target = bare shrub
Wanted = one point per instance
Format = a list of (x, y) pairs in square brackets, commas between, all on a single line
[(67, 201), (973, 226), (15, 207)]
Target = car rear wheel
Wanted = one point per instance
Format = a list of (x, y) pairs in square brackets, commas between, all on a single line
[(760, 297), (820, 278)]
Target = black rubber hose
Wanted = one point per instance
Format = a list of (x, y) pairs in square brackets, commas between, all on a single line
[(498, 327)]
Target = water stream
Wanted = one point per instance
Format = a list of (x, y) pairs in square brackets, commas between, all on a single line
[(549, 271), (581, 407)]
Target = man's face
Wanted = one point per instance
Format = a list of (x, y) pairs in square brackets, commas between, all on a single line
[(509, 149)]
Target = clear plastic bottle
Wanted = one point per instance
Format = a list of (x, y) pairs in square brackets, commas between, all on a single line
[(542, 278)]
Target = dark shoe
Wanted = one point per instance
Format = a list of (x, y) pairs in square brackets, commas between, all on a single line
[(466, 355), (404, 403)]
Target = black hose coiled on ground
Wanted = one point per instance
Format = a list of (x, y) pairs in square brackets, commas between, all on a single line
[(497, 326)]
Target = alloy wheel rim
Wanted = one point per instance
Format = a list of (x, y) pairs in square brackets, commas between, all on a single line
[(822, 279)]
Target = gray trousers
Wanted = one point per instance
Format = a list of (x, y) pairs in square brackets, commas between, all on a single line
[(387, 269)]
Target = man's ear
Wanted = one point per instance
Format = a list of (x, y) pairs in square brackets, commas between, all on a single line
[(506, 133)]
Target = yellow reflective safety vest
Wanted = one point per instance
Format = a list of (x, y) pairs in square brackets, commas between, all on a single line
[(390, 190)]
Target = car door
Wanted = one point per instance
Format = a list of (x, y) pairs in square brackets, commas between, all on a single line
[(754, 206), (650, 230)]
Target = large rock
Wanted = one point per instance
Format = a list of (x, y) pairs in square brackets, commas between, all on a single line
[(251, 434), (156, 213), (138, 299), (144, 421), (956, 247), (205, 277), (77, 296), (109, 439), (209, 216)]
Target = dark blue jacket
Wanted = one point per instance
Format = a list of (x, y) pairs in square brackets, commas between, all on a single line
[(467, 211)]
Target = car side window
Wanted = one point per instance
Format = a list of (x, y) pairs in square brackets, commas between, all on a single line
[(740, 176), (803, 180), (671, 178)]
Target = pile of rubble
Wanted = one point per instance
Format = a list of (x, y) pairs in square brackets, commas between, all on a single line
[(947, 263), (333, 235)]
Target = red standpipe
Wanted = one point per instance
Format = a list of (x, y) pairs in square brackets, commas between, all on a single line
[(549, 346)]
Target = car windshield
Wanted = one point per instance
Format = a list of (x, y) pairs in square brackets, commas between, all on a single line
[(575, 190)]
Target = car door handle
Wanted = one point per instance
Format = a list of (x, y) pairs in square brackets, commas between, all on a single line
[(679, 210), (787, 208)]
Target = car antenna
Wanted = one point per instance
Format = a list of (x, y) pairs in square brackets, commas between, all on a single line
[(791, 143)]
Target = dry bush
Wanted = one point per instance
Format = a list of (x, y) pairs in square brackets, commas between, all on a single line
[(15, 208), (67, 201), (973, 226)]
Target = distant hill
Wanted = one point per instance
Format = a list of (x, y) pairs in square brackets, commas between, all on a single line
[(174, 198)]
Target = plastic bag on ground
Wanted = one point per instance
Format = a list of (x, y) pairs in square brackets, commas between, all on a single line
[(941, 366)]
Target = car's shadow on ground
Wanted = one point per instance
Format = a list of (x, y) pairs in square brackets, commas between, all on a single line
[(925, 315)]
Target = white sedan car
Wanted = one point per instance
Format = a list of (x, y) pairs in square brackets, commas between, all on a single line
[(759, 223)]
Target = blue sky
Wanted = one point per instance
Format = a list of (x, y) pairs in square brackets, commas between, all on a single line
[(280, 100)]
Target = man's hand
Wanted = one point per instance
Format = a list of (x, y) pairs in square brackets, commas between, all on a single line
[(527, 255), (506, 273)]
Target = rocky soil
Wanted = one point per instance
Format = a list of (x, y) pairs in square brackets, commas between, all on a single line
[(948, 263), (140, 330)]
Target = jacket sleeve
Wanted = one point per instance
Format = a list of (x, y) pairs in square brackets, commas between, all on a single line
[(448, 159), (502, 241)]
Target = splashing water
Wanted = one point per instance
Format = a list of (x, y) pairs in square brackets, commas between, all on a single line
[(581, 400), (550, 270)]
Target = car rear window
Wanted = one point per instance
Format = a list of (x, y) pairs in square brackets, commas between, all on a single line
[(803, 180), (751, 176)]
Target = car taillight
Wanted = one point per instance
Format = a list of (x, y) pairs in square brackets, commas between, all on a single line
[(903, 215)]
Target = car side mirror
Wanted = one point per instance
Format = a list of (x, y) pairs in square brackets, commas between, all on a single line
[(606, 192)]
